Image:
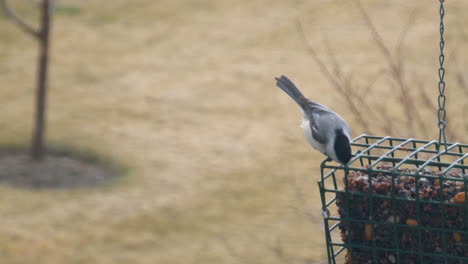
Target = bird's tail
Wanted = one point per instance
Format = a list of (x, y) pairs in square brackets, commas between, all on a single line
[(288, 87)]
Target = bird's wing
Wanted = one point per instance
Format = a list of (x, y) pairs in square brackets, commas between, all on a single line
[(316, 112)]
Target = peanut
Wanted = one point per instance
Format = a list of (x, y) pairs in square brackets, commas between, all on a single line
[(457, 237), (411, 222), (368, 231), (459, 197)]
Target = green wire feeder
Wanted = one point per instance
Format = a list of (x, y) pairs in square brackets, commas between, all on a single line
[(399, 200)]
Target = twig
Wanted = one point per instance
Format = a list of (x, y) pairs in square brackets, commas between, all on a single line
[(302, 201), (401, 40), (331, 55), (332, 79), (371, 83), (378, 39), (464, 87), (230, 249), (18, 20), (276, 249), (395, 66)]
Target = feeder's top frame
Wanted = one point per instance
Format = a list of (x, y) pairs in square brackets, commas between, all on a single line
[(403, 151)]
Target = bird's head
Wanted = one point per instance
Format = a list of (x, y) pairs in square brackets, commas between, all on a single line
[(342, 147)]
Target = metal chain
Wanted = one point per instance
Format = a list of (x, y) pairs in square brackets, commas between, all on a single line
[(442, 99)]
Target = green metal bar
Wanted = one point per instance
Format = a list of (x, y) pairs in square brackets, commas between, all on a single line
[(334, 226), (361, 137), (368, 148), (384, 156), (430, 161), (437, 229), (423, 163), (465, 188), (331, 202), (460, 149), (370, 200), (403, 173), (406, 251), (432, 202), (367, 142), (442, 215), (395, 228), (409, 149), (339, 251), (348, 223), (414, 153), (329, 242), (321, 185), (454, 163), (418, 218)]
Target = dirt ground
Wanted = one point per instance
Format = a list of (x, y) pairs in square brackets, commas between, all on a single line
[(54, 171), (183, 93)]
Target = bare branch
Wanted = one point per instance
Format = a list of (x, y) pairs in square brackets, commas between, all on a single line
[(371, 83), (462, 81), (302, 201), (387, 124), (331, 55), (463, 84), (18, 20), (231, 250), (36, 2), (395, 68), (375, 34), (316, 58), (334, 80), (427, 101), (348, 84), (52, 6), (401, 40)]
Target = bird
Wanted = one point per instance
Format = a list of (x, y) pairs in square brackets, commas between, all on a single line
[(324, 129)]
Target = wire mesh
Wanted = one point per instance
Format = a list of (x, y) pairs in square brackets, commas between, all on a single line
[(397, 201)]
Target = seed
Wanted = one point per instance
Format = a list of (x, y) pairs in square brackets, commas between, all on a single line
[(457, 237), (393, 219), (459, 197), (368, 230), (411, 222)]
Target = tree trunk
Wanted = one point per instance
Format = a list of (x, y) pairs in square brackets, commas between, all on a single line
[(38, 147)]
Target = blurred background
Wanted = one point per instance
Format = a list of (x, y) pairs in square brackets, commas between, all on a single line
[(183, 94)]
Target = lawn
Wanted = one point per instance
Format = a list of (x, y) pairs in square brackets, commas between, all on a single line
[(182, 93)]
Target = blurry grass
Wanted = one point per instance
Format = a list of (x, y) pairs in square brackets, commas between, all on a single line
[(67, 9), (7, 37)]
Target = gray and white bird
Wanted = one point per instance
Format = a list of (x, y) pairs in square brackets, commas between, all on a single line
[(325, 130)]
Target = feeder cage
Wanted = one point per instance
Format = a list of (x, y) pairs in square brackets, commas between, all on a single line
[(399, 200)]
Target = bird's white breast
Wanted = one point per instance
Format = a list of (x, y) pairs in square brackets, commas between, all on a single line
[(326, 149), (305, 125)]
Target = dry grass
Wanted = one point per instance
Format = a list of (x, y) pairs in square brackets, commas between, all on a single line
[(183, 93)]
